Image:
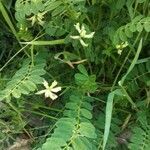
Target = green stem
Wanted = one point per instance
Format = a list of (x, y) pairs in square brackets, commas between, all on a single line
[(128, 97), (54, 42), (12, 58), (41, 114), (122, 66), (145, 6), (121, 82), (88, 2), (15, 109), (135, 8), (45, 107), (32, 55), (118, 74), (5, 125), (88, 19), (23, 48)]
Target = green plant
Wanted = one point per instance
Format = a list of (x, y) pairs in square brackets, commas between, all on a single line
[(25, 79), (98, 54), (140, 134)]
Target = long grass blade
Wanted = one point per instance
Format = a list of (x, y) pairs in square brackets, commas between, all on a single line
[(133, 62), (121, 82), (109, 108), (7, 19), (108, 117)]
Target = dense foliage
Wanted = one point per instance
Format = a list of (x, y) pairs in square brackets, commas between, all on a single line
[(74, 74)]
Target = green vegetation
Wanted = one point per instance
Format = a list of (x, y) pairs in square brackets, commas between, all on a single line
[(74, 74)]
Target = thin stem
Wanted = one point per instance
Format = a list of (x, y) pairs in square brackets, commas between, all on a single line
[(5, 125), (135, 8), (32, 55), (41, 114), (145, 6), (128, 97), (45, 107), (12, 58), (118, 74), (54, 42), (88, 19), (88, 2), (16, 55)]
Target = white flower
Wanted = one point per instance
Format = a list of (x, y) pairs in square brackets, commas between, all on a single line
[(50, 90), (121, 47), (37, 18), (119, 51), (82, 34)]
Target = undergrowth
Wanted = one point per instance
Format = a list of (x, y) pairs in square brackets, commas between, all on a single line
[(74, 74)]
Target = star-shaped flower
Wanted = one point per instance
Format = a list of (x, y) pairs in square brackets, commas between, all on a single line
[(50, 90), (82, 34)]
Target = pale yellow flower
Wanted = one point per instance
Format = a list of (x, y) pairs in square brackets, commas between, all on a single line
[(37, 18), (82, 34), (121, 46), (50, 91)]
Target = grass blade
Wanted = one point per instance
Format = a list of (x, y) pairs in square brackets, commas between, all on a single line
[(109, 107), (7, 19), (121, 82), (133, 62)]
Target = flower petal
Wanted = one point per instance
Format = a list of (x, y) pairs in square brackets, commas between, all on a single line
[(119, 51), (53, 96), (89, 36), (55, 90), (83, 34), (83, 28), (83, 43), (77, 26), (45, 83), (47, 93), (40, 92), (75, 37), (53, 84)]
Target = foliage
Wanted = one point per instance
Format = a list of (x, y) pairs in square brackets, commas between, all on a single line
[(98, 54), (74, 129), (25, 79), (140, 137)]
